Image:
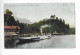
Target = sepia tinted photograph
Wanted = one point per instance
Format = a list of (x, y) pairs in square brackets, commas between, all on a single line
[(39, 25)]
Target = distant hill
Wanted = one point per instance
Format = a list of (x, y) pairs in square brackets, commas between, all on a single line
[(24, 20)]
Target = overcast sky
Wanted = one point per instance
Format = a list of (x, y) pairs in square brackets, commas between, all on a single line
[(38, 11)]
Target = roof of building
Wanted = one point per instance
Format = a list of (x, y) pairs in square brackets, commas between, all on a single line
[(11, 27)]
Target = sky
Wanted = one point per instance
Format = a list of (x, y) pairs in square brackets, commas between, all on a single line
[(39, 11)]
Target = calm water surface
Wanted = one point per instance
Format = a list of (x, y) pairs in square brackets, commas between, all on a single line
[(56, 41)]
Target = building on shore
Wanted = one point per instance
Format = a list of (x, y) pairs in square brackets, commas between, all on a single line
[(11, 30)]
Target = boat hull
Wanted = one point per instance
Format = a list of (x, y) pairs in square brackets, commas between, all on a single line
[(28, 40)]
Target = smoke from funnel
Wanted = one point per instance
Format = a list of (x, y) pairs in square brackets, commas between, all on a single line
[(44, 26)]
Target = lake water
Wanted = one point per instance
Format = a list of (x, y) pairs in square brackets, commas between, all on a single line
[(56, 41)]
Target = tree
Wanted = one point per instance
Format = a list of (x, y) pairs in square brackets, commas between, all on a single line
[(64, 21), (11, 21), (53, 16), (8, 12), (56, 18), (8, 18), (16, 29), (21, 25)]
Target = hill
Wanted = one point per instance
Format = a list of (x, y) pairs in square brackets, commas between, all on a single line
[(23, 20)]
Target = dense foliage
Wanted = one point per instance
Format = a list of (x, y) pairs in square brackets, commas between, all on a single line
[(57, 24)]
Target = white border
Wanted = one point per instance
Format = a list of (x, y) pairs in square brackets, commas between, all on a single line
[(74, 51)]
